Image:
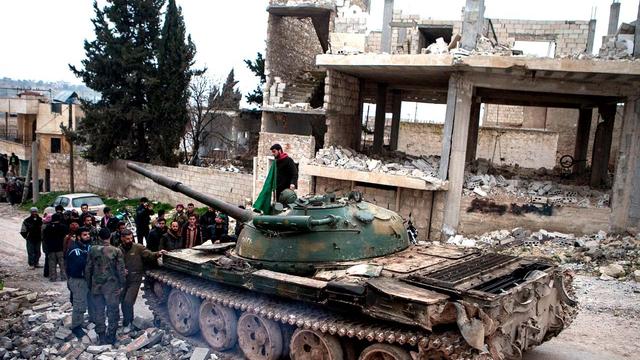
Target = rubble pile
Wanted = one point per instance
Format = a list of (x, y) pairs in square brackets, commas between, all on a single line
[(534, 188), (394, 163), (609, 256), (35, 325)]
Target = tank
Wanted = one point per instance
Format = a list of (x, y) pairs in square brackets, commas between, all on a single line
[(337, 278)]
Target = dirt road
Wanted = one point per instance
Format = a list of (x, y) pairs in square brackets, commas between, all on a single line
[(607, 327)]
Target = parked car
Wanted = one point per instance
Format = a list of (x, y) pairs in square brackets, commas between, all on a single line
[(74, 201)]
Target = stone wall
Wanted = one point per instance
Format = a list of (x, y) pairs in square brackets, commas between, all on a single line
[(570, 36), (342, 109), (116, 180), (58, 165), (426, 207), (525, 147)]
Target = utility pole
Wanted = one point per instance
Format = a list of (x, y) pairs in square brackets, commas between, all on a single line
[(35, 181), (71, 170)]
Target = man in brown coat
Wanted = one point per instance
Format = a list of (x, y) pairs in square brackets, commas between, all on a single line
[(136, 256)]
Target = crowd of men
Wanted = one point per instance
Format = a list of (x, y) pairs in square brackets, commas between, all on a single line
[(11, 186), (100, 261)]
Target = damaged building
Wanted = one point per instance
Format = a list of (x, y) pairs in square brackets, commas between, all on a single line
[(499, 155)]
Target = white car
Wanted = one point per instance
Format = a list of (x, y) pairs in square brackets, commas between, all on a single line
[(74, 201)]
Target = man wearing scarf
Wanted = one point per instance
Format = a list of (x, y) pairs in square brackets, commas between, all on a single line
[(286, 170)]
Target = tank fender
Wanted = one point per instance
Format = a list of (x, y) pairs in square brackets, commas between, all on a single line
[(474, 324)]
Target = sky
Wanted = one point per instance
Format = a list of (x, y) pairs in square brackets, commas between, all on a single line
[(41, 37)]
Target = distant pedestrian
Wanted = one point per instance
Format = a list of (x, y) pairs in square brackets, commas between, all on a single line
[(76, 261), (143, 219), (14, 164), (4, 165), (108, 220), (105, 275), (31, 231), (54, 238), (135, 258), (13, 190), (156, 234), (172, 240)]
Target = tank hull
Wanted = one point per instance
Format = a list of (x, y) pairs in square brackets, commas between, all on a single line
[(433, 302)]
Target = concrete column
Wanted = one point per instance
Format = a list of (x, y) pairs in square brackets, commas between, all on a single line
[(387, 17), (473, 23), (464, 92), (447, 131), (602, 146), (636, 38), (474, 127), (582, 140), (381, 106), (591, 35), (625, 193), (358, 124), (614, 16), (396, 107)]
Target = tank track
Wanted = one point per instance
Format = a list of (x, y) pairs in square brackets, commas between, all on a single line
[(448, 345)]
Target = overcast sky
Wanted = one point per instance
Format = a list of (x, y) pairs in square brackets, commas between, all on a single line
[(41, 37)]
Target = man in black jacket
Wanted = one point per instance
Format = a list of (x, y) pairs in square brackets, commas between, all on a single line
[(31, 231), (54, 235), (143, 219), (286, 170), (153, 242)]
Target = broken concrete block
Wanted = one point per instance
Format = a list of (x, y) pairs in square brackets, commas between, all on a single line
[(200, 353), (612, 270), (98, 349), (63, 333), (93, 336), (636, 275), (85, 356), (42, 306), (480, 192)]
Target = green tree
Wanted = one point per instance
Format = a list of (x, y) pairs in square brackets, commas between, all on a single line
[(228, 98), (257, 67), (171, 95), (141, 68)]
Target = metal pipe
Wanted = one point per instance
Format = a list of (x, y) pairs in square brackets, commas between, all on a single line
[(229, 209)]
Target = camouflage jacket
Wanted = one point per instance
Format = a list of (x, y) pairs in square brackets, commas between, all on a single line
[(105, 269), (136, 259)]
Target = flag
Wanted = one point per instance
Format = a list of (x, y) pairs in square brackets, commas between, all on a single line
[(263, 202)]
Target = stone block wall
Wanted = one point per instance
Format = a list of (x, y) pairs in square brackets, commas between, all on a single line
[(503, 115), (418, 203), (342, 109), (570, 36), (525, 147), (58, 164), (116, 180)]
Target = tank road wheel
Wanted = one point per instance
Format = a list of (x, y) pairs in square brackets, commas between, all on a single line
[(218, 325), (161, 291), (183, 312), (314, 345), (259, 339), (384, 352)]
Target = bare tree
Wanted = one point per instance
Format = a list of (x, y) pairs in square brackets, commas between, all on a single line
[(205, 106)]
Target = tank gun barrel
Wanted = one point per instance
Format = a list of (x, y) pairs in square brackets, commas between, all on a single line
[(234, 211)]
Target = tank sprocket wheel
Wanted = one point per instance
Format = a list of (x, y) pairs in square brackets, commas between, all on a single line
[(384, 352), (218, 325), (184, 310), (314, 345), (259, 338)]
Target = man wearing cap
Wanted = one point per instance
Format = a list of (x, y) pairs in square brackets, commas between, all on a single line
[(286, 170), (31, 231)]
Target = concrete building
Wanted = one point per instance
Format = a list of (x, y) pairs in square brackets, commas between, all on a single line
[(36, 115), (231, 133), (323, 64)]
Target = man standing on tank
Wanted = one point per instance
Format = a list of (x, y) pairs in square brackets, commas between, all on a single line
[(105, 275), (135, 258), (286, 170)]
